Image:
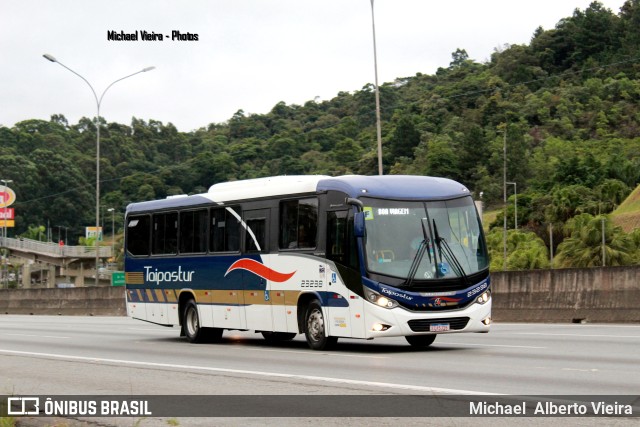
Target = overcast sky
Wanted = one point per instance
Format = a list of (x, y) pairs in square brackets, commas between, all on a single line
[(250, 54)]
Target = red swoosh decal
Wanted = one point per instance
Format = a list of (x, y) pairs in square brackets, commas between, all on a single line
[(259, 269)]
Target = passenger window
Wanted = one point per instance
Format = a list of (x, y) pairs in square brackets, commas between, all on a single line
[(341, 242), (138, 236), (255, 237), (298, 223), (164, 238), (193, 231), (225, 230)]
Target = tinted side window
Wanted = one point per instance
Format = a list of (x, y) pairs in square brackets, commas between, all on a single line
[(164, 239), (298, 223), (225, 230), (138, 235), (258, 228), (341, 242), (193, 231)]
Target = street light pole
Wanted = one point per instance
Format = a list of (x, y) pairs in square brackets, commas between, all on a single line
[(98, 103), (504, 193), (375, 66), (113, 229), (604, 253), (515, 202)]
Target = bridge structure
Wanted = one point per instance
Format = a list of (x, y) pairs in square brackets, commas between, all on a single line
[(54, 264)]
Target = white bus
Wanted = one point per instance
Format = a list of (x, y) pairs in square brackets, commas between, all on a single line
[(329, 257)]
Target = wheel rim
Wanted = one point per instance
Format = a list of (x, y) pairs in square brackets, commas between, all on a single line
[(315, 325), (192, 322)]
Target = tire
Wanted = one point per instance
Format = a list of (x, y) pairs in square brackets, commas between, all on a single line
[(276, 337), (192, 328), (314, 328), (421, 340)]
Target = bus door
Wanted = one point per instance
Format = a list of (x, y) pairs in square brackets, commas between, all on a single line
[(346, 313), (255, 279)]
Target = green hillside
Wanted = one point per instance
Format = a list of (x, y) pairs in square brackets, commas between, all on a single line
[(566, 107), (627, 215)]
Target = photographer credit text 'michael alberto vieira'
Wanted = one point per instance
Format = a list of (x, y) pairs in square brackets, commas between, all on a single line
[(548, 408), (144, 35)]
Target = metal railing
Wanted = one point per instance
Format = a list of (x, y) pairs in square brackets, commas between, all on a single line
[(54, 250)]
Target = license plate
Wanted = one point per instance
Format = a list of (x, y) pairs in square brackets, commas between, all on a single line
[(439, 327)]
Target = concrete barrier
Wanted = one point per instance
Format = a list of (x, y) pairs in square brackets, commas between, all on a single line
[(608, 295), (595, 295), (95, 300)]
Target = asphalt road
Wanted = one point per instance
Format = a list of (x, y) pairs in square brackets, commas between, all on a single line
[(50, 355)]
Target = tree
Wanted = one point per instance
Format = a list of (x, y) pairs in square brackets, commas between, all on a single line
[(525, 250), (405, 137), (34, 232), (583, 247), (458, 58)]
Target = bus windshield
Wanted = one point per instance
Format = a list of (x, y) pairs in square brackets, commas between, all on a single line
[(422, 241)]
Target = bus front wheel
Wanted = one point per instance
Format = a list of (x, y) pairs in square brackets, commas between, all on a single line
[(315, 330), (421, 340), (193, 329)]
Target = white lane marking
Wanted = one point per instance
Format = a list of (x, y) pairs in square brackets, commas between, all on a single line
[(248, 372), (576, 335), (558, 326), (36, 336), (490, 345), (581, 370)]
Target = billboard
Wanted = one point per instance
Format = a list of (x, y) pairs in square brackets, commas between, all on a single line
[(6, 213), (90, 232), (7, 198)]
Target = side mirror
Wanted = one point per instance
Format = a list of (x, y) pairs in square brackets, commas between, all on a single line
[(358, 224)]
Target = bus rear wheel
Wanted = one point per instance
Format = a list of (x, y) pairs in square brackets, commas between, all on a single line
[(192, 328), (421, 340), (315, 330)]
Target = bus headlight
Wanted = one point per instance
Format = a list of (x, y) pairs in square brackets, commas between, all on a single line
[(486, 296), (380, 300)]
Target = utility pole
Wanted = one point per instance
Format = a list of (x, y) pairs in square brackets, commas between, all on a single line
[(551, 245), (603, 243), (504, 193)]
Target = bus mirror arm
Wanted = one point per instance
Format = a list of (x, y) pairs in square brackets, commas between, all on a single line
[(355, 202)]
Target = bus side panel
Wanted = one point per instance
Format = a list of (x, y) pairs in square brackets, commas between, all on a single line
[(257, 307), (346, 314), (292, 274), (227, 309), (156, 307), (356, 311), (276, 287)]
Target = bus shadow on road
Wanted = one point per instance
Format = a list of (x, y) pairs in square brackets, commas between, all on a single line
[(256, 341)]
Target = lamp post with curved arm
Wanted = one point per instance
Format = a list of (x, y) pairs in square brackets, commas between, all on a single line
[(98, 103)]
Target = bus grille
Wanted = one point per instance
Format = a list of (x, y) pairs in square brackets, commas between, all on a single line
[(422, 325)]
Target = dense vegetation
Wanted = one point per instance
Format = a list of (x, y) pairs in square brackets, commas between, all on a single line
[(567, 105)]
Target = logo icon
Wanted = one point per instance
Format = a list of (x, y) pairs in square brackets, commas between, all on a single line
[(23, 406)]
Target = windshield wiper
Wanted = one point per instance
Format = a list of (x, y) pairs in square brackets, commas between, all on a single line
[(442, 243), (422, 248)]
